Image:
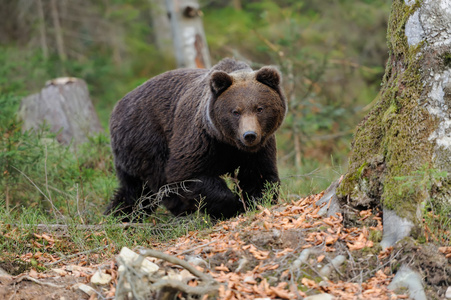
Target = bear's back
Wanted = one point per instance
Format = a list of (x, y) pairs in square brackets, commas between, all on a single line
[(156, 100)]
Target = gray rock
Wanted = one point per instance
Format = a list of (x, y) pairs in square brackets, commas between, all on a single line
[(129, 257), (302, 259), (407, 278), (324, 296), (395, 228), (330, 195), (86, 289), (101, 278), (448, 293), (334, 264), (197, 261)]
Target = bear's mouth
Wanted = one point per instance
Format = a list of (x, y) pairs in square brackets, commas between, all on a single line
[(248, 148)]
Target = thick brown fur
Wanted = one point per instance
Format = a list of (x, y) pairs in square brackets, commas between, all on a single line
[(195, 125)]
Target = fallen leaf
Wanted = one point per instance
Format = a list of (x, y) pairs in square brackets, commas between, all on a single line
[(284, 252), (222, 268), (309, 283), (33, 273), (281, 293)]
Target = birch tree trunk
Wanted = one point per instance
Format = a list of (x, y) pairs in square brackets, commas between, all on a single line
[(162, 26), (190, 44), (58, 31), (42, 31), (401, 153)]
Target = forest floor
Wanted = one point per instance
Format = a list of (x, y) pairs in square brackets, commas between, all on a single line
[(287, 251)]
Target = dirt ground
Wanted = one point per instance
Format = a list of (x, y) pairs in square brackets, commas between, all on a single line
[(284, 252), (58, 287)]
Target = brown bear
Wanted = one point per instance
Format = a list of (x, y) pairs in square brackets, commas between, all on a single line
[(191, 126)]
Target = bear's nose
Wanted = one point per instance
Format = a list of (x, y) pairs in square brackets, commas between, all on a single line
[(250, 136)]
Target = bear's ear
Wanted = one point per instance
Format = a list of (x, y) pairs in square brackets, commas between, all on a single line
[(219, 82), (268, 76)]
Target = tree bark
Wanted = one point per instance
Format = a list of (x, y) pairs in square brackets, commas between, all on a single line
[(161, 26), (237, 5), (65, 106), (58, 31), (42, 33), (401, 153), (190, 44)]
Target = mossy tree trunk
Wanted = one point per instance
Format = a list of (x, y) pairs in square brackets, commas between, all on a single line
[(401, 153)]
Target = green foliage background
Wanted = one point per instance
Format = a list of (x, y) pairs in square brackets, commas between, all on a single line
[(332, 55)]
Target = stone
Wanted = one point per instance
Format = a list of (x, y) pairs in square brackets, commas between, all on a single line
[(395, 228), (407, 278), (334, 264), (448, 293), (101, 278), (324, 296), (86, 289), (196, 261), (330, 198), (133, 259)]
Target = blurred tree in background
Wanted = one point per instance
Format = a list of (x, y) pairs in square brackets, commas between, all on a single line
[(109, 44), (332, 55)]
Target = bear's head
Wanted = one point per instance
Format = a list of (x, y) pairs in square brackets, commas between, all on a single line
[(246, 107)]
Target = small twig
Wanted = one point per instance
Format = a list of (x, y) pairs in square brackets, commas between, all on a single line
[(59, 191), (177, 261), (178, 285), (39, 282), (64, 227), (333, 265), (236, 182), (380, 267), (13, 295), (128, 278), (197, 247), (45, 196), (314, 270), (351, 259), (309, 174), (46, 177), (75, 255), (207, 286), (78, 206)]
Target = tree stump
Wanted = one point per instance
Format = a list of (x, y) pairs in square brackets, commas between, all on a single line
[(65, 106)]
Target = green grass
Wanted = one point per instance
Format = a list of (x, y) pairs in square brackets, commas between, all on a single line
[(43, 183), (74, 195), (47, 183), (437, 224), (21, 232), (311, 178)]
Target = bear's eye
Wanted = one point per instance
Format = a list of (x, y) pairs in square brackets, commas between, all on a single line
[(236, 113), (260, 110)]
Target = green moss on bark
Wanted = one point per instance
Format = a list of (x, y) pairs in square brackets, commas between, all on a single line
[(392, 141), (446, 59)]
